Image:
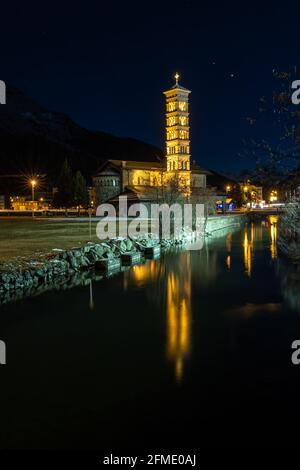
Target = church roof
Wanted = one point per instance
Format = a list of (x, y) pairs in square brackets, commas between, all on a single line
[(115, 166), (137, 194), (179, 86), (138, 164)]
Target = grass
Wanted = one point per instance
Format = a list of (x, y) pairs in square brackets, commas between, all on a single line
[(24, 237)]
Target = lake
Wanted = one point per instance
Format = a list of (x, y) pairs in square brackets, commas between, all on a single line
[(192, 350)]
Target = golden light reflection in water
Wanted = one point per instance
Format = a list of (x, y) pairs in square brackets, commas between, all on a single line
[(255, 234), (174, 287), (144, 273), (228, 261), (273, 220), (228, 242), (247, 244), (179, 316)]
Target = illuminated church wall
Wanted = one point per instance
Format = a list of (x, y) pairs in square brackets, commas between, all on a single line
[(138, 177)]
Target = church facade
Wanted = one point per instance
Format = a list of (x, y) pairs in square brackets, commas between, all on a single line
[(145, 181)]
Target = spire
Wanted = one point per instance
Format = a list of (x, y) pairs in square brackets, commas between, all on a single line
[(176, 77)]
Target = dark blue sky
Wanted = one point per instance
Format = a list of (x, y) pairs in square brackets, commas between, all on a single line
[(107, 63)]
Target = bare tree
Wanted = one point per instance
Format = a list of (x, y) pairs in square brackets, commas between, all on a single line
[(276, 158), (289, 230)]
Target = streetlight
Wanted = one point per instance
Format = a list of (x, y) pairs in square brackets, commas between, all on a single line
[(33, 184), (228, 188)]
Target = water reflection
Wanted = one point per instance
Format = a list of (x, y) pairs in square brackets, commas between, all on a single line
[(250, 309), (91, 301), (173, 292), (142, 274), (273, 220), (228, 261), (168, 281), (254, 234), (179, 315), (248, 245), (229, 242)]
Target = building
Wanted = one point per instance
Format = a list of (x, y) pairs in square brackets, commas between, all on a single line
[(253, 195), (146, 181), (22, 203)]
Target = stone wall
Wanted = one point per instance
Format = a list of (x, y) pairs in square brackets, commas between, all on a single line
[(219, 222)]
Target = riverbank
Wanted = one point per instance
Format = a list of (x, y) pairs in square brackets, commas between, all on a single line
[(26, 276), (25, 237), (23, 278)]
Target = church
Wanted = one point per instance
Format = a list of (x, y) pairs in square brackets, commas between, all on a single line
[(144, 181)]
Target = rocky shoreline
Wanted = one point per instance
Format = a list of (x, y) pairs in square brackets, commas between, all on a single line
[(62, 269), (66, 268)]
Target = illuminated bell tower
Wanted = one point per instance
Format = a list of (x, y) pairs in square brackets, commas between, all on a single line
[(178, 132)]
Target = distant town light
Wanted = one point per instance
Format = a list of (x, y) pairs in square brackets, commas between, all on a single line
[(273, 196)]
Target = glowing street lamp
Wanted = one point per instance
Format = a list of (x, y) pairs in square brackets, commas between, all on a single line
[(228, 188), (33, 185)]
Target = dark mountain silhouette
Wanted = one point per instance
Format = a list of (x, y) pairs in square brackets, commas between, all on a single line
[(36, 140)]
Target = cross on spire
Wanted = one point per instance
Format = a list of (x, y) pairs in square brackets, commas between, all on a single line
[(176, 77)]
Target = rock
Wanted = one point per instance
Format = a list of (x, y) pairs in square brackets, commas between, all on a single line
[(129, 245), (77, 253), (99, 250)]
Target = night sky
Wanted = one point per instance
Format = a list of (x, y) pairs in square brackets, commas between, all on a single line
[(107, 63)]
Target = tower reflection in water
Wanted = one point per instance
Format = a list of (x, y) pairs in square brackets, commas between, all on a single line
[(179, 315), (173, 288)]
